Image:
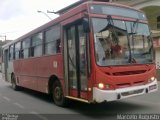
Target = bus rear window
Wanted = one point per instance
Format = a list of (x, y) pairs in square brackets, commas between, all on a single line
[(118, 11)]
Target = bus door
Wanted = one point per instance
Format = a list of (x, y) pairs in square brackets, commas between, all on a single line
[(6, 60), (76, 60)]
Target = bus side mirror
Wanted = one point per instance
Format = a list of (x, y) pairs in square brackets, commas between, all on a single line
[(85, 23)]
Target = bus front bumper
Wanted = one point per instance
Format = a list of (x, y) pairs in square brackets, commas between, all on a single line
[(112, 95)]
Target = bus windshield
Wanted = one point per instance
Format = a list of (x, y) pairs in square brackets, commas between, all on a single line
[(119, 42)]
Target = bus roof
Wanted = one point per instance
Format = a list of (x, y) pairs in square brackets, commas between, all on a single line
[(71, 11), (64, 10)]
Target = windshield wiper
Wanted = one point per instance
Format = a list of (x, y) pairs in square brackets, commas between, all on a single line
[(131, 59), (129, 45), (134, 28), (111, 23)]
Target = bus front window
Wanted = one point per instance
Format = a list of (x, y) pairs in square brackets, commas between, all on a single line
[(120, 42)]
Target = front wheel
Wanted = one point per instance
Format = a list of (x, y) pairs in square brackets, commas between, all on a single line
[(57, 94)]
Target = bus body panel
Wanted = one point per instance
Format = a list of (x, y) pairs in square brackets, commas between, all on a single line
[(126, 76), (35, 72)]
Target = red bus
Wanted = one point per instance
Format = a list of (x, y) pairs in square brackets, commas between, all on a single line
[(93, 52)]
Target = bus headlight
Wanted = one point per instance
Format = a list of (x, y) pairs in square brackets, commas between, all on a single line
[(105, 86), (101, 85), (151, 79)]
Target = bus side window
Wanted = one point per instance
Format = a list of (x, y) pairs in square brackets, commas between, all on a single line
[(11, 52), (17, 50), (36, 49), (52, 40), (25, 48), (21, 53), (31, 51), (58, 46)]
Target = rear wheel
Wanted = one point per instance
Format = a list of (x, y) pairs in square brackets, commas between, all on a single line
[(57, 94), (13, 82)]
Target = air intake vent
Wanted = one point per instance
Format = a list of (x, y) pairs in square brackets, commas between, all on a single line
[(129, 72)]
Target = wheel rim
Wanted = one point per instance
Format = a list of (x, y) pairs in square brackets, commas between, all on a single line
[(57, 93)]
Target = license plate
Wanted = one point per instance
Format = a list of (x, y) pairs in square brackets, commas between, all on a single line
[(152, 87)]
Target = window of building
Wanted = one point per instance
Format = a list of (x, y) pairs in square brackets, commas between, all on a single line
[(36, 49), (158, 22), (25, 48), (52, 40), (11, 52)]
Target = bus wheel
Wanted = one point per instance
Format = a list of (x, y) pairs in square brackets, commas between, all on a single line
[(57, 94), (13, 82)]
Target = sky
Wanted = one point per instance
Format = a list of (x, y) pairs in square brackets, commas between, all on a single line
[(18, 17)]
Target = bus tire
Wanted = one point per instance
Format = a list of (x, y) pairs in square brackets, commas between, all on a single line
[(57, 94), (13, 82)]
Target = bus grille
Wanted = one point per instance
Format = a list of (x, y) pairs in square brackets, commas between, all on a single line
[(132, 92), (129, 72), (122, 85)]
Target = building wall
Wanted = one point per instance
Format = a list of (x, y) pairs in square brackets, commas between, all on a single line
[(157, 58)]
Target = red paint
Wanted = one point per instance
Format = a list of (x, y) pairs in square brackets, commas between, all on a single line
[(35, 72), (129, 75), (73, 92)]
